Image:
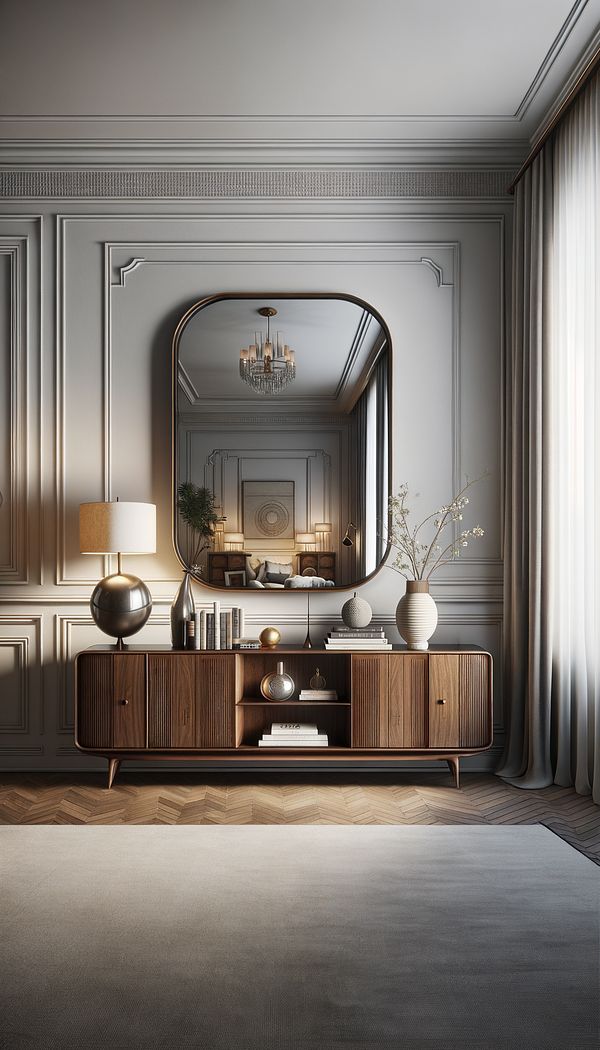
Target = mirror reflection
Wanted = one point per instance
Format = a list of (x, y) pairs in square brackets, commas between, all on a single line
[(281, 421)]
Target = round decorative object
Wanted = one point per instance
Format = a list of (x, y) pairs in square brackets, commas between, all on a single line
[(309, 571), (417, 615), (277, 685), (270, 637), (120, 604), (272, 518), (317, 681), (356, 612)]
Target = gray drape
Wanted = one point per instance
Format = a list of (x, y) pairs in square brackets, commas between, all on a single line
[(552, 465), (527, 670)]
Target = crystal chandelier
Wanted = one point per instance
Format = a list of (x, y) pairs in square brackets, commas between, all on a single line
[(267, 368)]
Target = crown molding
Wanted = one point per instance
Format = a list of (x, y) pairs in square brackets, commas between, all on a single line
[(370, 153), (307, 183), (549, 115)]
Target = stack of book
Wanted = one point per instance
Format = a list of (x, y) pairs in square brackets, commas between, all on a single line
[(219, 628), (368, 639), (318, 694), (293, 734)]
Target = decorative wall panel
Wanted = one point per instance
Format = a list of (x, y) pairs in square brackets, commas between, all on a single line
[(112, 287)]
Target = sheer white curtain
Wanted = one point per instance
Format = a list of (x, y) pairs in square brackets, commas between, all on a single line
[(552, 518), (574, 436)]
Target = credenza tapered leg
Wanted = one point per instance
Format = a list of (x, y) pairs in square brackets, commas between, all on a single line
[(113, 769), (454, 767)]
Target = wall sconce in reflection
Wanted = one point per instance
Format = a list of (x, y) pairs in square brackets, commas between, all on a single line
[(347, 541)]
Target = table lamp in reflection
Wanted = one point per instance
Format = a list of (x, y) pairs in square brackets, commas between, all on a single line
[(120, 603)]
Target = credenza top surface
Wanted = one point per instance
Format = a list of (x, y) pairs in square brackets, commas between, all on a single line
[(299, 650)]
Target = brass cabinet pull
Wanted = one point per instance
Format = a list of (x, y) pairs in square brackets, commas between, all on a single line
[(441, 701), (124, 702)]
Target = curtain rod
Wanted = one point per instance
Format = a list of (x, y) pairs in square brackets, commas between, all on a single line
[(585, 75)]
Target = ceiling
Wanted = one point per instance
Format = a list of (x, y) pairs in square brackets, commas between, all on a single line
[(333, 352), (282, 70)]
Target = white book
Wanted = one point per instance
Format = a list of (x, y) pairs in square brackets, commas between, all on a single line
[(325, 694), (356, 643), (295, 737), (303, 728), (293, 743)]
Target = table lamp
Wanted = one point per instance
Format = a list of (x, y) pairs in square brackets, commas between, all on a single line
[(120, 603), (323, 529), (306, 540), (233, 541)]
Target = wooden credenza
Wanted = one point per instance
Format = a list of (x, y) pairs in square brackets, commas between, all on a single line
[(158, 703)]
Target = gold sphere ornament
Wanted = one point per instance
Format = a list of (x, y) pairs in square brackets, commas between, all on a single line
[(270, 637)]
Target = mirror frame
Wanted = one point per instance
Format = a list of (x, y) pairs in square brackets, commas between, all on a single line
[(209, 300)]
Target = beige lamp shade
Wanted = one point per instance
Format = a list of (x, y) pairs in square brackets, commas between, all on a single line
[(117, 528), (234, 541), (306, 539), (322, 529)]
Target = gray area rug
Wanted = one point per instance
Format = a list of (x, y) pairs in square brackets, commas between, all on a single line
[(252, 938)]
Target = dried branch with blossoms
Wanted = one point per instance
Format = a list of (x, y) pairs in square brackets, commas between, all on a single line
[(418, 558)]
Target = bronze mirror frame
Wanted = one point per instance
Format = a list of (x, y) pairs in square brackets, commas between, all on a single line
[(266, 296)]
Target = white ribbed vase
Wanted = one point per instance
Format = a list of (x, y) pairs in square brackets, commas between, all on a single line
[(416, 615)]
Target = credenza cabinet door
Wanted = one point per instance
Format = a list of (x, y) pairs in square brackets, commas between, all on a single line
[(191, 701), (475, 700), (111, 701), (408, 700), (171, 700), (444, 700), (215, 701), (460, 710), (370, 700)]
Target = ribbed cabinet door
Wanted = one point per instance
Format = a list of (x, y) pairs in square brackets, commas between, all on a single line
[(129, 695), (475, 700), (370, 700), (171, 700), (94, 700), (215, 701), (407, 701)]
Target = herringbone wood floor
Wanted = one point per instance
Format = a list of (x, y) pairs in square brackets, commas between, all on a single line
[(194, 798)]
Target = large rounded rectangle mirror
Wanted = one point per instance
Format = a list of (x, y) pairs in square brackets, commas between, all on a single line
[(281, 440)]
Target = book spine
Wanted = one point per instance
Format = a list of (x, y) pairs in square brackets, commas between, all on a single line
[(242, 624), (229, 629), (235, 623), (217, 628), (210, 630), (223, 631), (203, 629)]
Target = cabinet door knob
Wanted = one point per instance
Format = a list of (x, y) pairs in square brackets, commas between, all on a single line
[(124, 702), (441, 701)]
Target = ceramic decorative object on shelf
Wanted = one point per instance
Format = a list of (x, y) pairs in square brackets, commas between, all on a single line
[(421, 551), (416, 615), (270, 637), (318, 681), (356, 612), (181, 611), (277, 685)]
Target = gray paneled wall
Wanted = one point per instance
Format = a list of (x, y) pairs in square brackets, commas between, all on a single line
[(90, 291)]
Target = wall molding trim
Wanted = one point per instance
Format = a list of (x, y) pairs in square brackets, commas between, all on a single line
[(307, 183)]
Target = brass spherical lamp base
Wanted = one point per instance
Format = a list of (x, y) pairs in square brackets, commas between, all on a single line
[(121, 605)]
